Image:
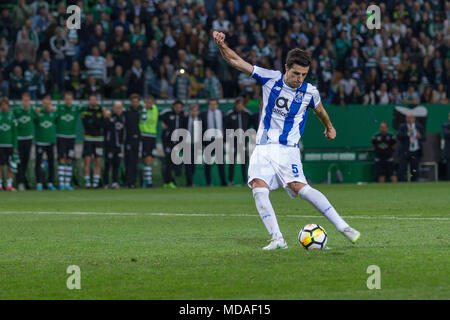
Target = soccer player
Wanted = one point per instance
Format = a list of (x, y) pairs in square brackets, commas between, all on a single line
[(276, 160), (66, 121), (148, 122), (93, 123), (8, 142), (383, 144), (45, 141), (25, 133)]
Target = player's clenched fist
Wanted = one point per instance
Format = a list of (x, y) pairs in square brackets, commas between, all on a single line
[(330, 133), (219, 37)]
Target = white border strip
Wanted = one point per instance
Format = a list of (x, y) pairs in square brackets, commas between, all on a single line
[(381, 217)]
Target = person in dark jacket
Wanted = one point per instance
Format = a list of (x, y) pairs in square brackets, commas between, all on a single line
[(172, 119), (238, 118), (213, 118), (411, 136), (446, 130), (114, 138), (132, 139), (384, 145), (93, 123)]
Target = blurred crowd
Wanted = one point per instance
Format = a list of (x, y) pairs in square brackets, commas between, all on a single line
[(165, 48)]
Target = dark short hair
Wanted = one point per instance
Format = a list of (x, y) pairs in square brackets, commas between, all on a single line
[(134, 96), (68, 93), (299, 57), (25, 94), (385, 122), (213, 99), (177, 102)]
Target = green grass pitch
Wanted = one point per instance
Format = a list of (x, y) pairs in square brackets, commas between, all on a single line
[(205, 243)]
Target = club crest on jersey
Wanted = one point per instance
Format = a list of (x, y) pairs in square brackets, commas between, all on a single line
[(298, 97)]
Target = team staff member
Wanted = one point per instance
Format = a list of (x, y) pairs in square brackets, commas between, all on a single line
[(8, 142), (25, 134), (45, 142), (194, 127), (66, 121), (148, 126), (384, 143), (238, 118), (114, 138), (411, 136), (132, 138), (213, 118), (93, 122), (446, 130), (172, 119)]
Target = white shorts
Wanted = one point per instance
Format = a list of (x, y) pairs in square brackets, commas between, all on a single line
[(277, 165)]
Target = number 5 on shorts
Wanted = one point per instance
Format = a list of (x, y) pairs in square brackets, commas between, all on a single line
[(294, 168)]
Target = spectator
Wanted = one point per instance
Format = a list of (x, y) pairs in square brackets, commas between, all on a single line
[(340, 97), (75, 81), (180, 81), (117, 86), (58, 44), (355, 64), (26, 46), (395, 97), (382, 96), (135, 78), (197, 82), (16, 83), (96, 65), (411, 96), (20, 13), (213, 88), (32, 81), (427, 95), (439, 95)]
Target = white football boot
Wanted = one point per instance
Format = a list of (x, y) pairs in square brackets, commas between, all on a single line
[(351, 234), (275, 244)]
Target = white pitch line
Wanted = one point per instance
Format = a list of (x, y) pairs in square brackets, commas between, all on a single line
[(222, 215)]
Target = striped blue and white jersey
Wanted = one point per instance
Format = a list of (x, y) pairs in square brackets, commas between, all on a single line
[(284, 109)]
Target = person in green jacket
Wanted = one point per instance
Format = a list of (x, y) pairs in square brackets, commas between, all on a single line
[(67, 116), (8, 143), (45, 141), (24, 115), (148, 125)]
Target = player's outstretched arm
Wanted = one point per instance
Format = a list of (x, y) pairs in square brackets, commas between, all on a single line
[(330, 132), (230, 56)]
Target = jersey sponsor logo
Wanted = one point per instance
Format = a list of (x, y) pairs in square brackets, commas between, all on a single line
[(282, 103), (5, 127), (24, 119), (46, 124), (67, 117)]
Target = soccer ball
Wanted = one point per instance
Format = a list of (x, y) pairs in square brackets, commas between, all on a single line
[(313, 237)]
